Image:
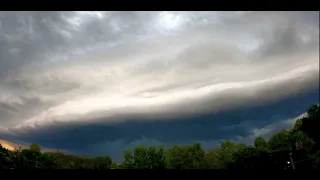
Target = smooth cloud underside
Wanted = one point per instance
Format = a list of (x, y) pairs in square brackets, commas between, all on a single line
[(111, 80)]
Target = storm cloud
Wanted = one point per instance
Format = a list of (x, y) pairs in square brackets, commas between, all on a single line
[(100, 82)]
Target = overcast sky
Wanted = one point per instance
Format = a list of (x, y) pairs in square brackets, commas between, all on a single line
[(98, 83)]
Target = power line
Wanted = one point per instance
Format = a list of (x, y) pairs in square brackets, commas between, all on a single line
[(291, 161)]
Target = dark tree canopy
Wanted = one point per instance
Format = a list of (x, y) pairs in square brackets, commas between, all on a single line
[(35, 147), (260, 143)]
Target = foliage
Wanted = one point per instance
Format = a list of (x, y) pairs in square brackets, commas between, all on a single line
[(183, 157), (114, 165), (251, 157), (35, 147), (260, 143), (279, 140), (102, 162), (311, 125)]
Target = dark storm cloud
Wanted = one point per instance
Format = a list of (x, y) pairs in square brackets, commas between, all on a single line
[(95, 82), (91, 139)]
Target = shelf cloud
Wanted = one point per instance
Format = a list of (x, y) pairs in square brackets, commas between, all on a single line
[(101, 82)]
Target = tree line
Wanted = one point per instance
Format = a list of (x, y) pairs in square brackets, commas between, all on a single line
[(297, 148)]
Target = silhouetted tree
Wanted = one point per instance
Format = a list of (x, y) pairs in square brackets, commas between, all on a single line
[(35, 147)]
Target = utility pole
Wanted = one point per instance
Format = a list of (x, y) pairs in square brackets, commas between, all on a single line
[(291, 161)]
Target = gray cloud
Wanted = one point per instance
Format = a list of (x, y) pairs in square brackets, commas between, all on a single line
[(115, 74)]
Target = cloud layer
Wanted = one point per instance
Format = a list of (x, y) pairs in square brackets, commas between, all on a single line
[(109, 79)]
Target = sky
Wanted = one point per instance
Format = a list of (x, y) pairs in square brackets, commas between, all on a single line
[(98, 83)]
